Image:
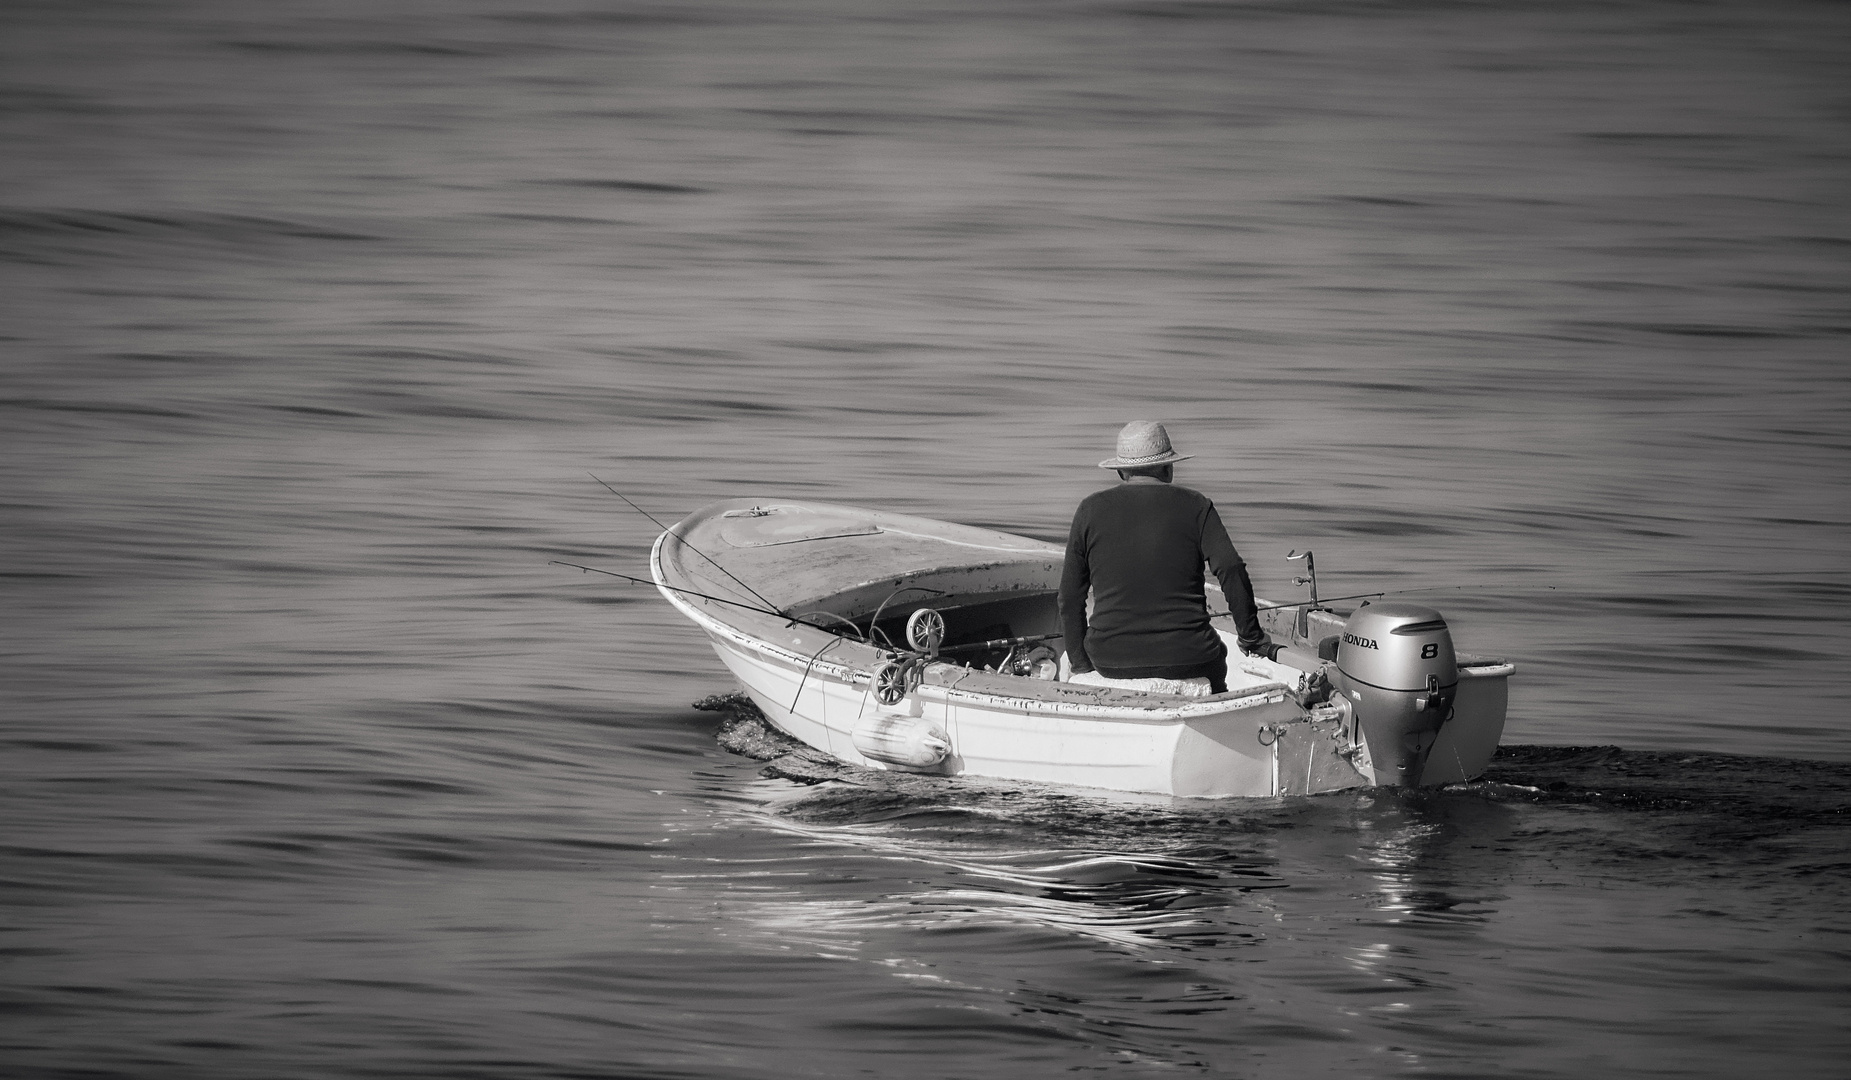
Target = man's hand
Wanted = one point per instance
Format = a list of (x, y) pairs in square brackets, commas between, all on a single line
[(1263, 647)]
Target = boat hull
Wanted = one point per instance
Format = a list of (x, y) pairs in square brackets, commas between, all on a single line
[(1214, 755)]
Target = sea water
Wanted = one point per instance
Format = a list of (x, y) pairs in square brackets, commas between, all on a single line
[(317, 316)]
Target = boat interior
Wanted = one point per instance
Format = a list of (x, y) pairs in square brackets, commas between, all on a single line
[(1005, 622), (1003, 619)]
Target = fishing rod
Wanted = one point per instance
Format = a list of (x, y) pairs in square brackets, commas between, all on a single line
[(1359, 596), (997, 643), (1257, 606), (690, 592), (972, 647), (1328, 600), (681, 538)]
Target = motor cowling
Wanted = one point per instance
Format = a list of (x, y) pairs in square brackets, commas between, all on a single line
[(1396, 664)]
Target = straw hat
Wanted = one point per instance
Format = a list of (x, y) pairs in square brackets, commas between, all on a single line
[(1143, 442)]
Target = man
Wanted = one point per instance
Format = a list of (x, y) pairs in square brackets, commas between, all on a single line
[(1139, 547)]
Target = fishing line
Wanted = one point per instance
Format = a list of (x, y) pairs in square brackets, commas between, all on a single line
[(690, 592), (683, 540)]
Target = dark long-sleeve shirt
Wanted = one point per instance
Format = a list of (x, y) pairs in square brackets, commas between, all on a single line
[(1139, 547)]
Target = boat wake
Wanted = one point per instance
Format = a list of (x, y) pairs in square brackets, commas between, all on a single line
[(964, 834), (1628, 808), (1776, 793)]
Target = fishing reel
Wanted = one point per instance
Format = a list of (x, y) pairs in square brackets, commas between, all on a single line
[(1031, 661), (894, 679), (925, 631)]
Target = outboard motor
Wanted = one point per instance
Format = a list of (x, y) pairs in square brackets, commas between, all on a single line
[(1396, 665)]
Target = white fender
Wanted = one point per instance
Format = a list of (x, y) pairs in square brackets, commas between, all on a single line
[(909, 742)]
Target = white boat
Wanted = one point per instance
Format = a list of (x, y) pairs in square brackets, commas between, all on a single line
[(900, 642)]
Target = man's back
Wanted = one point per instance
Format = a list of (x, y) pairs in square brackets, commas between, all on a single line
[(1140, 548)]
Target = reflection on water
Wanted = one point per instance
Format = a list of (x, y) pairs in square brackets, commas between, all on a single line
[(1376, 914), (1132, 900)]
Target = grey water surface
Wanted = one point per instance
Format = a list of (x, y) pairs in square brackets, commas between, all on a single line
[(315, 316)]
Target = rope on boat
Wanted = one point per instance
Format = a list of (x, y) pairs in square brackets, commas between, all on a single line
[(798, 696)]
